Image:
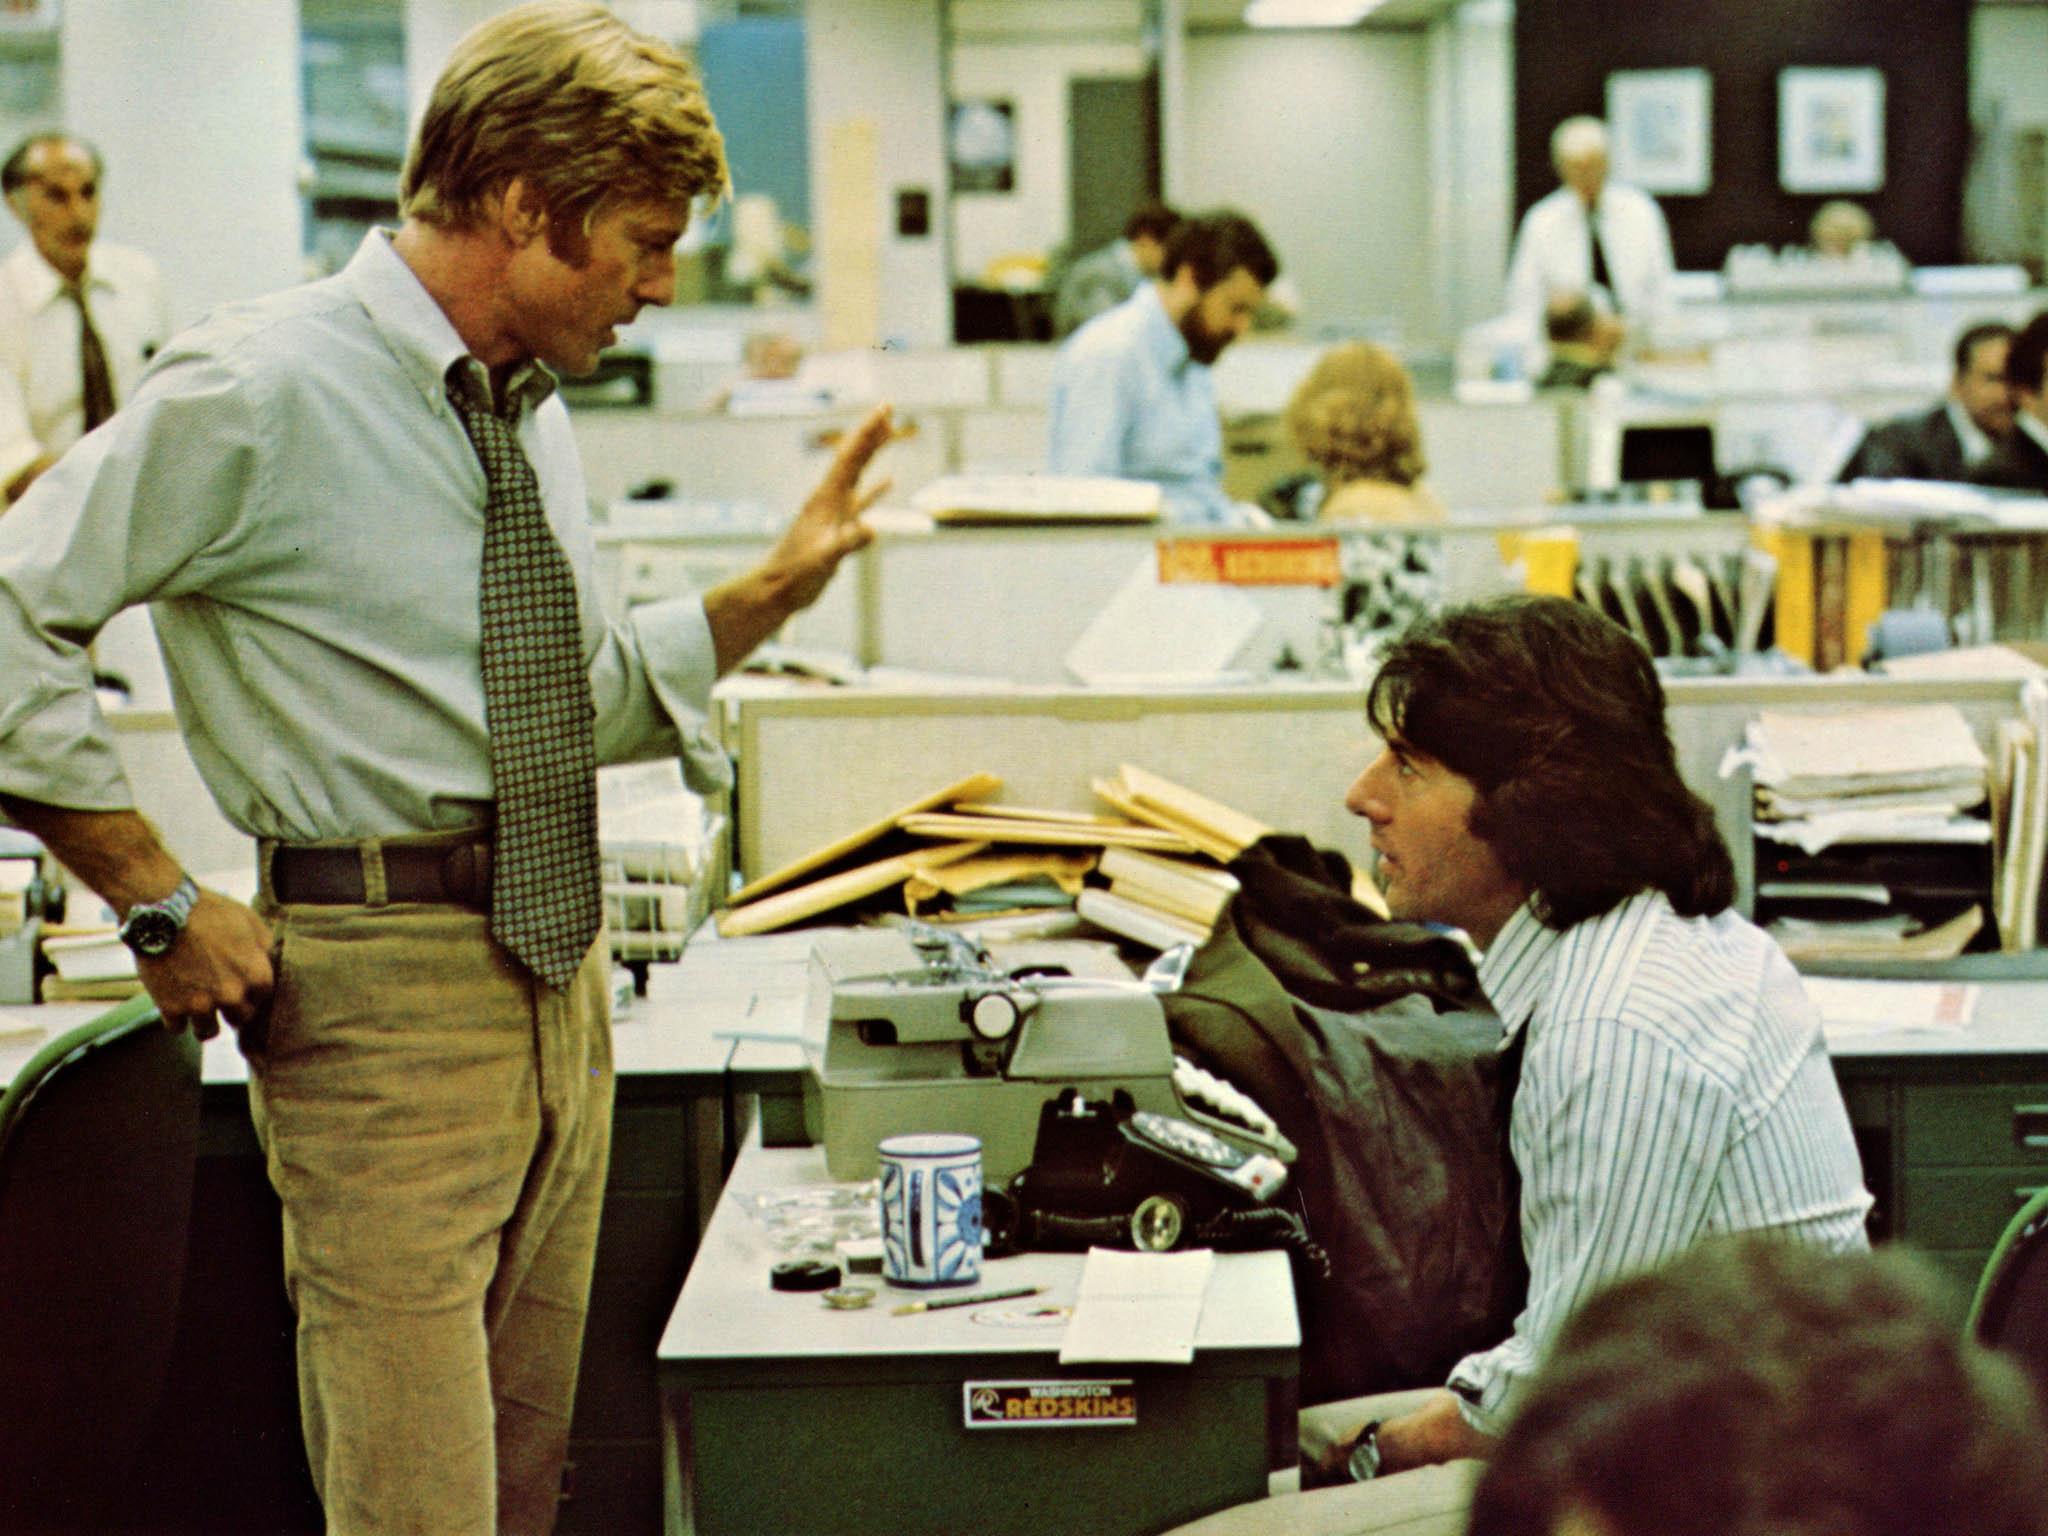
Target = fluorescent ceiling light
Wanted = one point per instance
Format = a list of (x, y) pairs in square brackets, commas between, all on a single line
[(1307, 13)]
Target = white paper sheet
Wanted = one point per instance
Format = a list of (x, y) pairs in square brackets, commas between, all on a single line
[(1138, 1306), (1850, 1007)]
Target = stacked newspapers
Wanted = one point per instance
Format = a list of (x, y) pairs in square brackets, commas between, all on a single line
[(1872, 839)]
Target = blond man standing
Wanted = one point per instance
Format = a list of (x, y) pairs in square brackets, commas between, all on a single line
[(357, 513)]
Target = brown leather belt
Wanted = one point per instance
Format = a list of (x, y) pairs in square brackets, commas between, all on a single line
[(457, 874)]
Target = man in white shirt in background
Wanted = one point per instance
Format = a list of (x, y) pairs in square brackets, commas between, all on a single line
[(78, 317), (1592, 236)]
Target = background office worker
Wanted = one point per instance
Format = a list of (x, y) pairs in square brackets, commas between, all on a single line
[(1593, 236), (1106, 276), (357, 512), (78, 316), (2020, 463), (1956, 436), (1131, 390), (1674, 1083)]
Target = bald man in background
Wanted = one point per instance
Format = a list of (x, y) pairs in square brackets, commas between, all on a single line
[(78, 317)]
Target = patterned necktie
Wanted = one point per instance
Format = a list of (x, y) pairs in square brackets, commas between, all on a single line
[(546, 894), (1601, 277), (97, 384)]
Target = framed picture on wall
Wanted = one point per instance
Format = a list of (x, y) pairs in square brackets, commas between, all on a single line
[(1660, 126), (981, 146), (1831, 130)]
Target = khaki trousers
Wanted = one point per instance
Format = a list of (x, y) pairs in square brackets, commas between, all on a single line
[(436, 1124), (1429, 1501)]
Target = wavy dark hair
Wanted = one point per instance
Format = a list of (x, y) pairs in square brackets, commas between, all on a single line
[(1759, 1386), (1556, 715)]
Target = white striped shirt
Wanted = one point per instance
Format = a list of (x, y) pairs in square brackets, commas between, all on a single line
[(1674, 1085)]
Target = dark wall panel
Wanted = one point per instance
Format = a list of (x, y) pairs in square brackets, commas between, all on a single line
[(1564, 50)]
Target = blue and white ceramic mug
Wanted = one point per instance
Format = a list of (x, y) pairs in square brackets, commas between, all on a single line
[(931, 1209)]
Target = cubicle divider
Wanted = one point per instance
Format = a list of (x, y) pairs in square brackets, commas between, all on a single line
[(1008, 603), (814, 767)]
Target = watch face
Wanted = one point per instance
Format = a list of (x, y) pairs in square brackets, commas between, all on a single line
[(151, 933)]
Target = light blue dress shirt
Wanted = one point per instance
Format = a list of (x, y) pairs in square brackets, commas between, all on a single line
[(295, 498), (1675, 1085), (1127, 400)]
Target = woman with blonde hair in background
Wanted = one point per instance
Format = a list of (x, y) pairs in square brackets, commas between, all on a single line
[(1353, 417)]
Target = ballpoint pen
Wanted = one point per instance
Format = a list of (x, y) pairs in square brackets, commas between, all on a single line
[(933, 1304)]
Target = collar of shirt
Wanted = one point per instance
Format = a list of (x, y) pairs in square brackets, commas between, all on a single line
[(40, 284), (1159, 335), (417, 331), (1976, 446), (2033, 428), (1515, 970)]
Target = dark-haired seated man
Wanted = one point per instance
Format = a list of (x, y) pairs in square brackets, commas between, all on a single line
[(1758, 1388), (2020, 463), (1674, 1083), (1131, 390), (1959, 435)]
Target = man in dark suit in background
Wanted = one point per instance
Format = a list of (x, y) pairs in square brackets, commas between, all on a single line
[(2021, 461), (1964, 431)]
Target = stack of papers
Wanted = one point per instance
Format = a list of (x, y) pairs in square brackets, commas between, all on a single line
[(1882, 846), (2020, 816), (656, 842), (1901, 774), (1034, 498), (960, 855)]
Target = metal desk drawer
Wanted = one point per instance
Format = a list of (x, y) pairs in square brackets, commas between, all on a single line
[(1976, 1125)]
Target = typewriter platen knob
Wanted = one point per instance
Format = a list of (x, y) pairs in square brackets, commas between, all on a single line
[(995, 1015)]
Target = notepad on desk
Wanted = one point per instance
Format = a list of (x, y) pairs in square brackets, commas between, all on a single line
[(1850, 1007)]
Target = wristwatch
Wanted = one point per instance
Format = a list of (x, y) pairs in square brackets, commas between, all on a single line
[(152, 927), (1364, 1461)]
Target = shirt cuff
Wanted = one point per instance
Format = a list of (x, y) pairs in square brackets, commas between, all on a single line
[(55, 750), (675, 641), (1482, 1385)]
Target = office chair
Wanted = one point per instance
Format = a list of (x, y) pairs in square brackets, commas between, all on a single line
[(2010, 1312), (99, 1135)]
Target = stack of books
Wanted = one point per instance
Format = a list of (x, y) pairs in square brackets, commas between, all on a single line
[(91, 964), (1158, 901)]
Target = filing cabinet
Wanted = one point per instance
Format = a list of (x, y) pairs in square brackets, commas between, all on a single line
[(1952, 1148)]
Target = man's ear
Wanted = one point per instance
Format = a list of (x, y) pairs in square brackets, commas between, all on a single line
[(521, 217)]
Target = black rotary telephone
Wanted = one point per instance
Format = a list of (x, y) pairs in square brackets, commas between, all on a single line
[(1105, 1174)]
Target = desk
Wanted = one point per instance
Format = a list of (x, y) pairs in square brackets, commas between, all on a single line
[(226, 1455), (1944, 1121), (1941, 1120), (794, 1417)]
